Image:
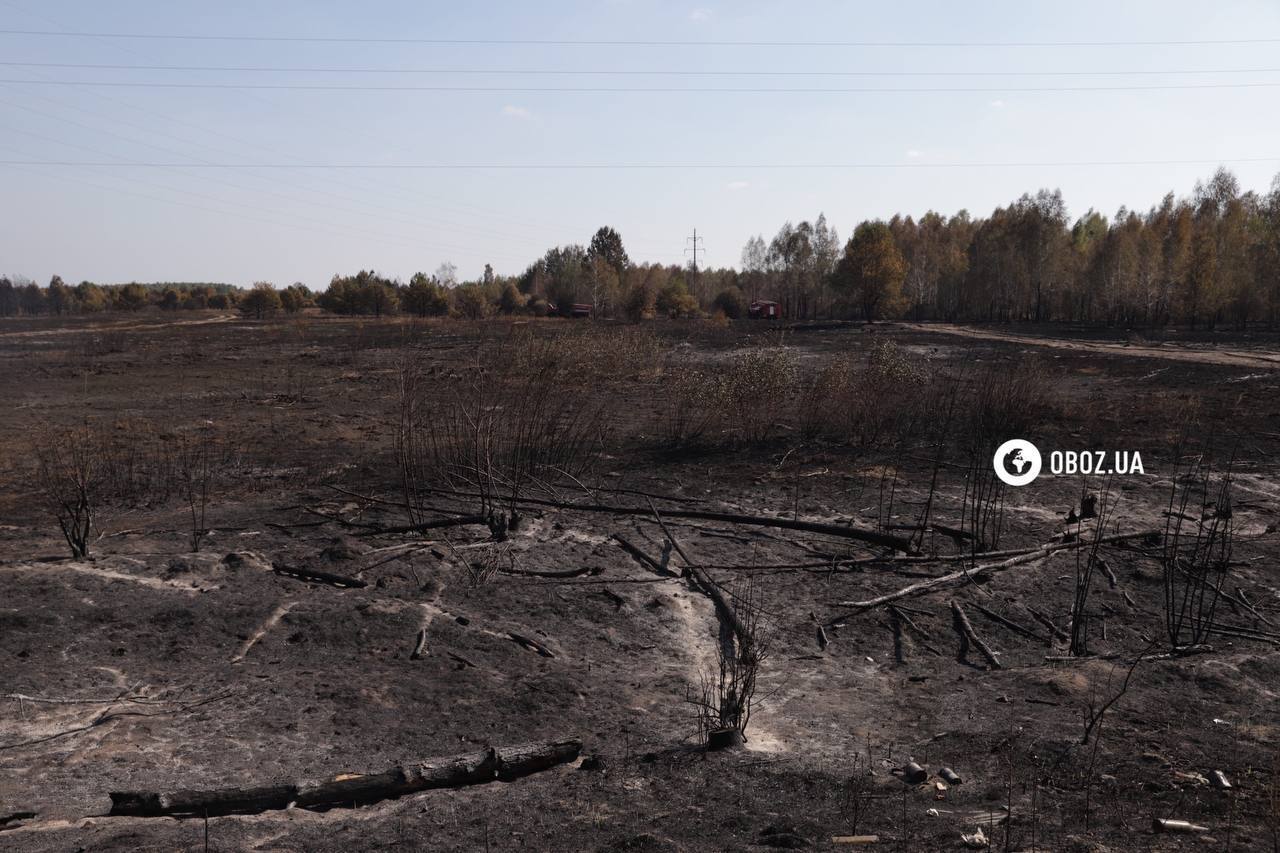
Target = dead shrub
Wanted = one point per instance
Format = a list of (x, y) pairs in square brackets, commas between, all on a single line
[(994, 404), (70, 470), (726, 694), (688, 412), (96, 467), (1102, 507), (1198, 543), (485, 563), (497, 432), (105, 341), (754, 391), (859, 791), (139, 467), (743, 401), (1007, 400), (200, 461), (868, 401), (588, 352)]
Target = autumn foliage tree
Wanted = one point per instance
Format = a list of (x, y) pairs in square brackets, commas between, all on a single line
[(870, 272)]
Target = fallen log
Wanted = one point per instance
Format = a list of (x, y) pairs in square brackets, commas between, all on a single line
[(1011, 625), (531, 645), (980, 572), (503, 764), (900, 613), (899, 640), (202, 803), (643, 558), (1043, 619), (435, 524), (318, 576), (16, 819), (970, 637), (708, 585), (903, 620), (951, 532), (1245, 634), (1244, 601), (861, 534), (419, 645), (1111, 575), (564, 573)]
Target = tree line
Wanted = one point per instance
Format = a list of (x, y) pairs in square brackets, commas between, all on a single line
[(1206, 259), (1212, 257), (21, 296)]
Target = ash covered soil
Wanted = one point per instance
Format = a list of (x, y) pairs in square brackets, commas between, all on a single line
[(209, 670)]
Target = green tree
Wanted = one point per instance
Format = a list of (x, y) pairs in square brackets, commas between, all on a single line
[(472, 301), (295, 297), (62, 299), (425, 297), (170, 299), (731, 302), (366, 292), (32, 299), (511, 300), (606, 245), (379, 297), (262, 300), (341, 297), (8, 298), (675, 300), (871, 270), (567, 276)]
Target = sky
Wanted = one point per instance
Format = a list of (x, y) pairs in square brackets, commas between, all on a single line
[(247, 187)]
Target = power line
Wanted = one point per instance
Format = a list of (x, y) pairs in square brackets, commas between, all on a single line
[(640, 166), (388, 186), (613, 72), (615, 90), (630, 42), (426, 224)]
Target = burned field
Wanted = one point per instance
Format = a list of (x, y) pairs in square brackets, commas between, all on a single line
[(323, 554)]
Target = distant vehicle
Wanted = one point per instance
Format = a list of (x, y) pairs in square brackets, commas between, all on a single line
[(577, 309), (763, 309)]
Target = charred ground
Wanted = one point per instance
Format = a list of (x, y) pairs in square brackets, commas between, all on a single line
[(236, 674)]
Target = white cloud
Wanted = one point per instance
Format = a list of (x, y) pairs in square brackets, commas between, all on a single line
[(700, 14), (737, 185), (997, 103), (516, 112), (913, 153)]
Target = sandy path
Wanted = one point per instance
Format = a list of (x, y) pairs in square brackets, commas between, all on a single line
[(116, 327), (697, 637), (107, 574), (1170, 352)]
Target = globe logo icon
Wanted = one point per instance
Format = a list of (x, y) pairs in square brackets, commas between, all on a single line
[(1017, 462)]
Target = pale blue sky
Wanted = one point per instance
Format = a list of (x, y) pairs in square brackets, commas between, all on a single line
[(119, 224)]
